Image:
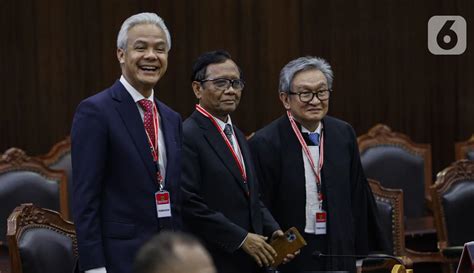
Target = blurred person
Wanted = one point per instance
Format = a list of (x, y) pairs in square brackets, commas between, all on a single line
[(173, 252)]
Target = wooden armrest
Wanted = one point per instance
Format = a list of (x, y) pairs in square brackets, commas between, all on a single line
[(425, 257), (452, 252)]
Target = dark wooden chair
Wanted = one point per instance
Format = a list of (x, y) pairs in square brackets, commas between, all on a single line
[(390, 208), (59, 158), (453, 203), (465, 149), (40, 240), (26, 180), (398, 163)]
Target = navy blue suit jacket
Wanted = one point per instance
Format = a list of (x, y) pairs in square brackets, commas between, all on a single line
[(115, 178)]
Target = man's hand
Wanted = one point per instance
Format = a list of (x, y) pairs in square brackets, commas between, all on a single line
[(256, 246), (289, 257)]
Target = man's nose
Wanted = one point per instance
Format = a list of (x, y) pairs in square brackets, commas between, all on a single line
[(150, 54), (230, 90)]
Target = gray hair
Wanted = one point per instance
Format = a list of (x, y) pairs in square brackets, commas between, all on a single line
[(138, 19), (289, 71)]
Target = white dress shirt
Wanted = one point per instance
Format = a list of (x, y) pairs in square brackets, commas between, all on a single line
[(312, 201), (234, 139)]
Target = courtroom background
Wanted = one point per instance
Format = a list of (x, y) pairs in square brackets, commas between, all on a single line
[(55, 53)]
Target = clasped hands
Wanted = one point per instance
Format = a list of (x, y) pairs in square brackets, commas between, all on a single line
[(263, 253)]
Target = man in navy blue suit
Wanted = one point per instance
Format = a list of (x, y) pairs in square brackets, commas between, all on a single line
[(126, 154)]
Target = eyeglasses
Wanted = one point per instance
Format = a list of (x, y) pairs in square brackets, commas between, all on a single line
[(306, 97), (222, 84)]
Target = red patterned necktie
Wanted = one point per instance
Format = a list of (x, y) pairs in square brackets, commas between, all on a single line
[(147, 107)]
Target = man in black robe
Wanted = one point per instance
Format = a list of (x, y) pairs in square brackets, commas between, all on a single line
[(310, 173)]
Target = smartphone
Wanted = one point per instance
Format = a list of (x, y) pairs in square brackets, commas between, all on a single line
[(291, 242)]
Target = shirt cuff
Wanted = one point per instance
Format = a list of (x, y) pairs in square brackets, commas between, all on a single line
[(96, 270), (239, 245)]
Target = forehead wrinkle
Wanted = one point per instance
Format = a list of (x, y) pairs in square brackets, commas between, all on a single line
[(149, 40), (223, 72), (308, 84)]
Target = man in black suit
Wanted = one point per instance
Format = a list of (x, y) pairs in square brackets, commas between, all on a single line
[(310, 173), (221, 202)]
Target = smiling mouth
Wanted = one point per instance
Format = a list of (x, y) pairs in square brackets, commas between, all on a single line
[(148, 68)]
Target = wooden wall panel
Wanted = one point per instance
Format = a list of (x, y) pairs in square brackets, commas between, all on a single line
[(56, 54)]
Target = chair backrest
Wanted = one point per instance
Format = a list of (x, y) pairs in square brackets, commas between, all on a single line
[(397, 162), (26, 180), (59, 158), (390, 209), (465, 149), (453, 204), (41, 241)]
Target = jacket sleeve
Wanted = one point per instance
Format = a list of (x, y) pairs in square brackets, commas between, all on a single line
[(89, 149), (176, 198), (268, 174), (209, 224)]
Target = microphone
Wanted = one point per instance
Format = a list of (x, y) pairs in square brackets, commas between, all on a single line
[(318, 254)]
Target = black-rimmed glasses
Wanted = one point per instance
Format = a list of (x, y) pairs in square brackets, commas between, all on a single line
[(223, 84), (306, 97)]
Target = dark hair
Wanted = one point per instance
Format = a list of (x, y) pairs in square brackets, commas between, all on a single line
[(158, 254), (211, 57)]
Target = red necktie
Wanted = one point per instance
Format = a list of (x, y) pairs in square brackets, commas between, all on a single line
[(147, 107)]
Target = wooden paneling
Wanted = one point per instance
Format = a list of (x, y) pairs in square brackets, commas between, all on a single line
[(55, 54)]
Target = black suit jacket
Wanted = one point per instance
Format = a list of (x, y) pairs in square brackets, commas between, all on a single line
[(352, 226), (216, 206)]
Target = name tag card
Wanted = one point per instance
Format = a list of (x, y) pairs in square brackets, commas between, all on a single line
[(163, 204), (320, 223)]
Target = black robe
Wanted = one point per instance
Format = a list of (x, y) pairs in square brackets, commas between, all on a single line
[(352, 226)]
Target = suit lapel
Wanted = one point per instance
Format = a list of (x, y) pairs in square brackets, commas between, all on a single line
[(328, 165), (214, 138), (293, 153), (247, 158), (128, 111), (170, 144)]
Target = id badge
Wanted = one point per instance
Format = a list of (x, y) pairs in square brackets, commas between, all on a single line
[(163, 204), (320, 222)]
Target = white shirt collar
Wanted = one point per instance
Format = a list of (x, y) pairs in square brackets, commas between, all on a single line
[(223, 124), (318, 130), (134, 92)]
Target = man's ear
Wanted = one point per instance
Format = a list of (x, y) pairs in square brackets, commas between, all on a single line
[(285, 99), (120, 55), (197, 88)]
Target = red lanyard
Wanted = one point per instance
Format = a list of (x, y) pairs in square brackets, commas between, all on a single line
[(154, 146), (237, 161), (317, 171)]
